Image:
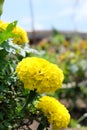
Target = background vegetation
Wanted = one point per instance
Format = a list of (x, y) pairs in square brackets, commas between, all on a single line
[(70, 54)]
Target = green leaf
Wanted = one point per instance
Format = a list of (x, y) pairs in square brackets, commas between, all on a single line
[(41, 126), (73, 123), (32, 95), (6, 34), (1, 116), (11, 26), (3, 53), (2, 127), (6, 124)]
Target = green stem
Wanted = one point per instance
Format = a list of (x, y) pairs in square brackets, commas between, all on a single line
[(30, 99), (82, 118)]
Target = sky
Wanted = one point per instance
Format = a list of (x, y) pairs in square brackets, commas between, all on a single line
[(65, 15)]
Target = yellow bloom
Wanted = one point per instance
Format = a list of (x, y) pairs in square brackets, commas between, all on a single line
[(22, 38), (22, 35), (55, 112), (37, 73)]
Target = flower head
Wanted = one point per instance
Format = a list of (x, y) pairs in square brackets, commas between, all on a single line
[(55, 112), (22, 38), (38, 73), (22, 35)]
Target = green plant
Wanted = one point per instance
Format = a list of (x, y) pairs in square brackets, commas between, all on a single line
[(11, 95), (23, 82)]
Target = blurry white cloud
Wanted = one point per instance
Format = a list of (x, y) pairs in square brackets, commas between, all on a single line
[(65, 12), (81, 14), (27, 22)]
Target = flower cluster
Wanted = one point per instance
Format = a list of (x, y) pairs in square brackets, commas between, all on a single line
[(39, 74), (22, 35), (56, 113)]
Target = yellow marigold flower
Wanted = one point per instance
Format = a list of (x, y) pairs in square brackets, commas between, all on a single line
[(38, 73), (22, 38), (56, 113), (22, 35)]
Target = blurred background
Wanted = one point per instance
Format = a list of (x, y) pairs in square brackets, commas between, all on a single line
[(58, 30)]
